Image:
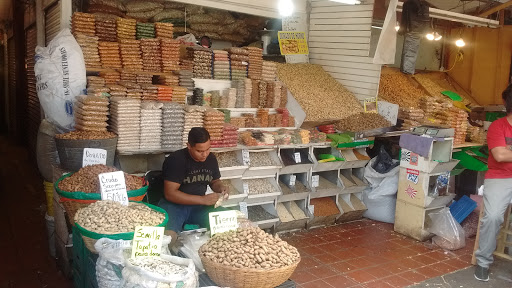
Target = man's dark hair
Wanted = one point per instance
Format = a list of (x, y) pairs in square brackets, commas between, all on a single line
[(198, 135), (507, 98)]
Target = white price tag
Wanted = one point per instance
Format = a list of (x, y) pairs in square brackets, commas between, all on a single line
[(243, 208), (292, 180), (311, 209), (315, 179), (92, 156), (113, 187), (147, 241), (245, 157), (297, 157), (246, 188)]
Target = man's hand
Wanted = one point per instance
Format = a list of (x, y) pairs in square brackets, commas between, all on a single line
[(211, 199), (224, 190)]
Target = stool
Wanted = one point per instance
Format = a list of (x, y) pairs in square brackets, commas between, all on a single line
[(502, 242)]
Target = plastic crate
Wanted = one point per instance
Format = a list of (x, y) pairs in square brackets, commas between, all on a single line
[(462, 208)]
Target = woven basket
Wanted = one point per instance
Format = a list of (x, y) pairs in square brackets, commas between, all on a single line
[(91, 237), (73, 201), (228, 276)]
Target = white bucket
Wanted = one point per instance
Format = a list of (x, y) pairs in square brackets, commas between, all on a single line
[(50, 229)]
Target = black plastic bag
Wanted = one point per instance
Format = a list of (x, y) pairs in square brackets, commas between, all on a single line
[(384, 162)]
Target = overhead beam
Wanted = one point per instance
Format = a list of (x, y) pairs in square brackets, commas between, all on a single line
[(457, 17), (495, 9)]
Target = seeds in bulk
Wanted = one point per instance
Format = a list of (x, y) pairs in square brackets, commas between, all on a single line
[(109, 217), (227, 159), (320, 95), (324, 206), (86, 180), (259, 186), (159, 266), (325, 184), (296, 212), (283, 213), (259, 159), (258, 213), (89, 135), (249, 248), (362, 121), (285, 189)]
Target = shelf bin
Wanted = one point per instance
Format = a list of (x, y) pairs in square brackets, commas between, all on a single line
[(354, 158), (234, 199), (351, 207), (326, 166), (329, 184), (298, 223), (266, 224), (259, 171), (351, 181), (232, 171), (318, 221), (414, 187), (288, 160), (265, 197), (301, 179)]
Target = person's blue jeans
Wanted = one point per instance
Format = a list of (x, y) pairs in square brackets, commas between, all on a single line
[(180, 215)]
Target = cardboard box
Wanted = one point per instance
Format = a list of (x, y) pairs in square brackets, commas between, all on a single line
[(414, 186), (413, 221), (438, 160)]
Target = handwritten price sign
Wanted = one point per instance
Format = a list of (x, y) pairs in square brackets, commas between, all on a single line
[(147, 241), (113, 187)]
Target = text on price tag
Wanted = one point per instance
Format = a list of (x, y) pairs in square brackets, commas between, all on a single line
[(93, 156), (245, 157), (243, 208), (113, 187), (292, 180), (297, 157), (315, 181), (223, 221), (246, 188), (147, 241)]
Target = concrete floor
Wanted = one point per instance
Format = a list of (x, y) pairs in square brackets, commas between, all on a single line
[(500, 277)]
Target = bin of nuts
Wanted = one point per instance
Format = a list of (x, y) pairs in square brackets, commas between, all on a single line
[(109, 219), (248, 257)]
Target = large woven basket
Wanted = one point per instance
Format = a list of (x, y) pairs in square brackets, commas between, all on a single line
[(91, 237), (228, 276), (73, 201)]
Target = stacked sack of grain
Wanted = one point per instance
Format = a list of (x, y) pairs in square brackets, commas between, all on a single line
[(194, 117), (230, 95), (179, 95), (117, 90), (255, 94), (131, 55), (255, 62), (412, 117), (151, 55), (164, 93), (214, 123), (186, 81), (111, 77), (273, 94), (96, 86), (173, 120), (169, 80), (106, 8), (133, 90), (109, 55), (263, 115), (125, 122), (164, 30), (83, 23), (239, 85), (145, 30), (262, 94), (459, 121), (221, 65), (150, 125), (170, 55), (202, 58), (229, 135), (239, 58), (91, 113), (128, 76), (269, 71), (106, 28), (143, 10), (89, 46), (149, 92), (144, 79), (126, 28)]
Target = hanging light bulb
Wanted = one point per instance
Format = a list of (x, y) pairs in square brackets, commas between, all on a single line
[(437, 36), (285, 7), (397, 26), (460, 43), (430, 36)]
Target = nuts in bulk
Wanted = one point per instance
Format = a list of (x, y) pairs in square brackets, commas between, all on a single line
[(319, 94), (249, 248), (259, 159), (159, 266), (362, 121), (86, 180), (86, 135), (227, 159), (109, 217), (259, 186), (283, 213)]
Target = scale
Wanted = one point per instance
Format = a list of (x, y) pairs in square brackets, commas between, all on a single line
[(434, 131)]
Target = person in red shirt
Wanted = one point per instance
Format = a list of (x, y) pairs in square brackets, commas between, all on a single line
[(497, 187)]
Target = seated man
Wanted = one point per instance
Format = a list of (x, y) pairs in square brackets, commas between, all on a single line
[(186, 173)]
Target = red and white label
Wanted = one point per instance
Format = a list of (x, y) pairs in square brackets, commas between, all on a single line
[(411, 192)]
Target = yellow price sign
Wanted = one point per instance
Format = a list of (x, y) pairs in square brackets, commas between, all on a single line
[(147, 241), (293, 43)]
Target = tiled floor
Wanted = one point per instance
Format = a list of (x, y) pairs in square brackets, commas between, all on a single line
[(370, 254)]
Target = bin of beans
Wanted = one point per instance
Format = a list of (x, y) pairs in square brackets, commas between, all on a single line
[(261, 190), (325, 211), (230, 163)]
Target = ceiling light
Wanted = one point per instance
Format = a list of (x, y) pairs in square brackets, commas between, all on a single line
[(460, 43), (437, 36), (285, 8), (351, 2), (430, 36)]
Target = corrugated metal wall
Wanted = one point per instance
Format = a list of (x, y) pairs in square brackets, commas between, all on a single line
[(11, 78), (339, 41), (52, 21), (33, 107)]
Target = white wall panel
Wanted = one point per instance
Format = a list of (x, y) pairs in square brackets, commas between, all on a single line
[(339, 41)]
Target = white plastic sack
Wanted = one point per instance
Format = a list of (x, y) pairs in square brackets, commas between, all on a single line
[(60, 75), (136, 277), (191, 244), (449, 233), (386, 47), (112, 258), (380, 196)]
